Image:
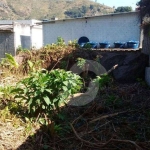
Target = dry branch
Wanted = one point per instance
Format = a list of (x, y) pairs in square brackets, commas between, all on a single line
[(82, 140), (107, 116)]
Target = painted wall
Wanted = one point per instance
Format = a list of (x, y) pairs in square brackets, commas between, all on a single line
[(6, 43), (22, 35), (116, 27), (28, 36), (36, 36), (27, 33)]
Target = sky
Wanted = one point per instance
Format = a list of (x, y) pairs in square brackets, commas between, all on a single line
[(118, 3)]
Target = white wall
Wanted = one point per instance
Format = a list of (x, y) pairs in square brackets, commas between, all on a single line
[(24, 28), (21, 30), (115, 27), (36, 36)]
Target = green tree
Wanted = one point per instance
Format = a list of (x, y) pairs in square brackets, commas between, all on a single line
[(91, 6), (123, 9), (84, 9), (144, 7)]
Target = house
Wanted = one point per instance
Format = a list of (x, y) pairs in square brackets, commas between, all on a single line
[(115, 27), (24, 33)]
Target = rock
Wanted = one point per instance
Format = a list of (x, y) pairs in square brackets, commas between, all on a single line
[(131, 64), (132, 68), (109, 60)]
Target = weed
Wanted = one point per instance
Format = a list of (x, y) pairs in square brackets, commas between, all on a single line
[(73, 43), (5, 93), (103, 81), (44, 92), (9, 61), (87, 46), (63, 64), (81, 62), (60, 41), (22, 50), (113, 101)]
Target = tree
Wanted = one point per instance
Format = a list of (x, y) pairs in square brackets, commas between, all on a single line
[(91, 6), (144, 8), (123, 9)]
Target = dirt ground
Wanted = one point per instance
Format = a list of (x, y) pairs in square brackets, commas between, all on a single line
[(118, 119)]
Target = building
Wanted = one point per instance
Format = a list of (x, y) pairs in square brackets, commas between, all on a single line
[(20, 33), (115, 27)]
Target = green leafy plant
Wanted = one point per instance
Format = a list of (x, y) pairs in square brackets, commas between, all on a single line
[(44, 91), (87, 46), (9, 61), (103, 80), (5, 93), (22, 50), (34, 65), (60, 41), (81, 62), (73, 43), (113, 100), (63, 64)]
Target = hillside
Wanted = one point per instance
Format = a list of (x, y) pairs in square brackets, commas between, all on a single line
[(46, 9)]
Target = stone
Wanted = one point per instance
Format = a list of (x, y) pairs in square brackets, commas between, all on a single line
[(132, 68)]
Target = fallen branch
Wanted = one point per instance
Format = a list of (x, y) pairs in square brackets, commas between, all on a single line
[(56, 63), (113, 68), (88, 110), (107, 116), (95, 129), (82, 140)]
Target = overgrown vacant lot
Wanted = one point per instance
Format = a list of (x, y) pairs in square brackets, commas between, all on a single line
[(31, 117)]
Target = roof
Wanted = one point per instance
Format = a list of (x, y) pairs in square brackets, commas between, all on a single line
[(88, 17), (8, 28), (30, 22)]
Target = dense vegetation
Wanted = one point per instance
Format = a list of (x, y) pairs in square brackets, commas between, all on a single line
[(123, 9), (84, 10)]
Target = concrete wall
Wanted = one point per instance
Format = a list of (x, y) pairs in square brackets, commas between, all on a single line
[(6, 43), (116, 27), (22, 35), (27, 33), (36, 36)]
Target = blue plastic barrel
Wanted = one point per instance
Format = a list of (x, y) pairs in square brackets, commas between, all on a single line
[(104, 45), (119, 44), (133, 44)]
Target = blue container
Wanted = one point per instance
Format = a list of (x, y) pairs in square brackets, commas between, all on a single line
[(104, 45), (119, 44), (133, 44)]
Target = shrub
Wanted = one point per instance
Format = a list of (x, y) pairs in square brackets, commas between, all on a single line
[(9, 61), (103, 80), (81, 62), (43, 92)]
